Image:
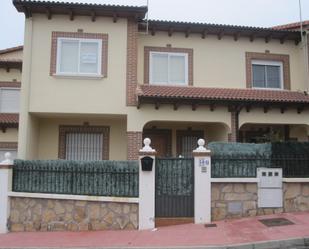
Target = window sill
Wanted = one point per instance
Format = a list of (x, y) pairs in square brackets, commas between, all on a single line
[(78, 77), (168, 84), (269, 89)]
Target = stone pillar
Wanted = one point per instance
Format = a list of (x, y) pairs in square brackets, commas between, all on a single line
[(5, 187), (146, 186), (134, 143), (202, 184)]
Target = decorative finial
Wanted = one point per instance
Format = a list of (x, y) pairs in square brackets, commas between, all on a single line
[(201, 146), (7, 159), (147, 148)]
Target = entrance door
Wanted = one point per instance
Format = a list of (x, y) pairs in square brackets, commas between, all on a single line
[(161, 141), (187, 142), (174, 191)]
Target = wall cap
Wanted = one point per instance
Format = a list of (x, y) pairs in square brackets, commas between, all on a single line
[(75, 197)]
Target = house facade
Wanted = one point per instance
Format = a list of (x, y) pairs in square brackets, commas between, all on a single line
[(10, 78), (96, 79)]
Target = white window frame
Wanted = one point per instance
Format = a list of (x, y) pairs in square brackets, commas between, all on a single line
[(78, 73), (185, 55), (268, 63), (8, 88)]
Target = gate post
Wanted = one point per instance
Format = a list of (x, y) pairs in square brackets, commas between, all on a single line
[(5, 187), (147, 167), (202, 183)]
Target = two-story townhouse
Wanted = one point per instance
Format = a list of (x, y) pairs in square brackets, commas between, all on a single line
[(99, 78), (10, 77)]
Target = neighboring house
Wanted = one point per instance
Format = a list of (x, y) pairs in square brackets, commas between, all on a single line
[(10, 77), (97, 79)]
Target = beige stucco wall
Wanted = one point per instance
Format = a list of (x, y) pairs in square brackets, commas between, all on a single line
[(137, 118), (16, 55), (49, 135), (10, 135), (221, 63), (105, 95), (12, 75), (273, 116)]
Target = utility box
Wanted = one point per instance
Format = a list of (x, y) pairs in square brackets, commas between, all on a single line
[(270, 188)]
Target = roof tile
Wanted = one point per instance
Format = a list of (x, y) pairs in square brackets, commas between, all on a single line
[(227, 94)]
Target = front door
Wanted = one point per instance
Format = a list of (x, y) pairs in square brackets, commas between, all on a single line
[(161, 141), (187, 141)]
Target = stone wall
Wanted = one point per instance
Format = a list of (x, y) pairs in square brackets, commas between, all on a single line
[(234, 200), (33, 214)]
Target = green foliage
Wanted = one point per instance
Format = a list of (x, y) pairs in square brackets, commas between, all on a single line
[(99, 178)]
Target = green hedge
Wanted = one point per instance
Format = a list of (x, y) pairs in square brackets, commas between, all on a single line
[(98, 178)]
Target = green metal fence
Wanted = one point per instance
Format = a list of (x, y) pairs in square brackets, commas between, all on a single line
[(97, 178)]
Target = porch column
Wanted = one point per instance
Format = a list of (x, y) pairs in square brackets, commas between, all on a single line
[(146, 213), (233, 136), (202, 184), (5, 187), (134, 143)]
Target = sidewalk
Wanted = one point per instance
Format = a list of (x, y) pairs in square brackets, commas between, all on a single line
[(231, 232)]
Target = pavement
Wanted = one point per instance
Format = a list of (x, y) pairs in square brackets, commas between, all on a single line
[(245, 233)]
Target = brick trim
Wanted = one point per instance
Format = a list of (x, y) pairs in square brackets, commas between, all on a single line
[(233, 136), (8, 145), (188, 51), (64, 129), (57, 34), (131, 75), (134, 144), (285, 59), (10, 84)]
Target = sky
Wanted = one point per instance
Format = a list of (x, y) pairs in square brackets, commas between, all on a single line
[(260, 13)]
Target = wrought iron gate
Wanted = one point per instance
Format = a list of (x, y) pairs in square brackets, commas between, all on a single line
[(174, 195)]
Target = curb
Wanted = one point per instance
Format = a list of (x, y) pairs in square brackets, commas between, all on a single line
[(297, 243)]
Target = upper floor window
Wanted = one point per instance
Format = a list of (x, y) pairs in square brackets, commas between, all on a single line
[(9, 100), (76, 56), (168, 68), (267, 74)]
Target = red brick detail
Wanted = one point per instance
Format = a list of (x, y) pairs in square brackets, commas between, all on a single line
[(56, 35), (234, 126), (285, 59), (131, 77), (64, 129), (188, 51), (10, 84), (134, 143)]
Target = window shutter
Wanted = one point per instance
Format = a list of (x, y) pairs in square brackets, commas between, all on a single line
[(10, 100)]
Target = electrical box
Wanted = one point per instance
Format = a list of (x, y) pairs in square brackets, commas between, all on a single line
[(270, 191)]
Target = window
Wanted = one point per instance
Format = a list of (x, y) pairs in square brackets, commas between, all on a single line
[(84, 146), (9, 100), (12, 151), (168, 68), (267, 74), (77, 56), (85, 143)]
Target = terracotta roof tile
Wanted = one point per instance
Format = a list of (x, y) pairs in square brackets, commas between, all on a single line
[(12, 49), (226, 94), (289, 26), (9, 118)]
